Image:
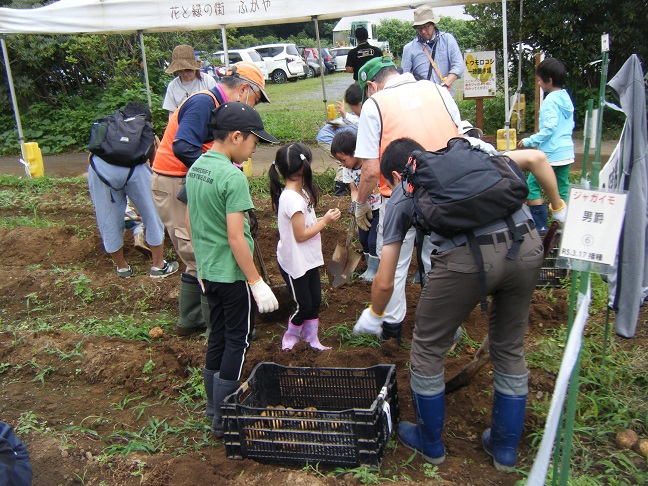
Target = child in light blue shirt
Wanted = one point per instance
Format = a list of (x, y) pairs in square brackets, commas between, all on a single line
[(554, 138)]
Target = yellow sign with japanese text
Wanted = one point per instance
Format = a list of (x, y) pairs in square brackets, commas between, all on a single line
[(479, 74)]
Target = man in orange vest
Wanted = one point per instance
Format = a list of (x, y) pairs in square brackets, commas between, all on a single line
[(398, 106), (186, 138)]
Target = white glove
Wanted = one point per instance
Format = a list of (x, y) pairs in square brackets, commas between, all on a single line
[(369, 323), (265, 299), (560, 214), (363, 215)]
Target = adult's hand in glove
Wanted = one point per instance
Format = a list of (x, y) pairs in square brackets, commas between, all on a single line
[(559, 214), (369, 323), (363, 215), (265, 299)]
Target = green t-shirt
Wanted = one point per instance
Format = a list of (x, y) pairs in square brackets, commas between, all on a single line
[(216, 188)]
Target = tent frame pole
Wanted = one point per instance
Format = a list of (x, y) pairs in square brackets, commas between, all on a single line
[(507, 121), (140, 33), (14, 101), (321, 61), (225, 48)]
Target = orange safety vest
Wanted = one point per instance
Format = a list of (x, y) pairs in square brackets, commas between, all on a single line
[(165, 161), (413, 110)]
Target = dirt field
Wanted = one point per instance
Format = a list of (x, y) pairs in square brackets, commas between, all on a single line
[(119, 410)]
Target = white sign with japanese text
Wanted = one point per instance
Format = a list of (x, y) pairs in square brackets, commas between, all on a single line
[(479, 74), (593, 227)]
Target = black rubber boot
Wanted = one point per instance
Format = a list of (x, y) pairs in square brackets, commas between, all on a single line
[(208, 381), (222, 388), (392, 331), (190, 320)]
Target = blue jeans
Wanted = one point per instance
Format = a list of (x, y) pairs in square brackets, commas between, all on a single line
[(367, 238)]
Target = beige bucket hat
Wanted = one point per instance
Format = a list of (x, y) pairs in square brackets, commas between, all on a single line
[(183, 58), (423, 15)]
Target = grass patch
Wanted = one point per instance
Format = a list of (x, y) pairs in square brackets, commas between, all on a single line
[(124, 326), (348, 339), (11, 222), (611, 398), (297, 111)]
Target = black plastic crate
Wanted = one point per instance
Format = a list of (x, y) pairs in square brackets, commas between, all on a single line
[(332, 416), (550, 274)]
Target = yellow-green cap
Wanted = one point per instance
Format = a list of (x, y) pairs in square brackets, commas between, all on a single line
[(370, 69)]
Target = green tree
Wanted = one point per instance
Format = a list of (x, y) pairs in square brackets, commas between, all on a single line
[(464, 31), (570, 31), (397, 32)]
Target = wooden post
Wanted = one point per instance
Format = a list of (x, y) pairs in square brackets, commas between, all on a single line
[(479, 113)]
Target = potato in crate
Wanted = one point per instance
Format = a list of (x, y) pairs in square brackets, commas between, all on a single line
[(550, 274), (331, 416)]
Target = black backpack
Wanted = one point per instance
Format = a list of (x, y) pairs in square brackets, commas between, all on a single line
[(459, 189), (122, 141)]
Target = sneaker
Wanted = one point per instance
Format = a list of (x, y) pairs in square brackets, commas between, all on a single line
[(140, 245), (124, 272), (168, 269)]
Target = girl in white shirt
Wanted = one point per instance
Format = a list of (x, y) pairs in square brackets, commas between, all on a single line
[(299, 251)]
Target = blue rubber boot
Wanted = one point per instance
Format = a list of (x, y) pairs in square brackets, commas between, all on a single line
[(540, 217), (501, 440), (425, 436), (372, 268)]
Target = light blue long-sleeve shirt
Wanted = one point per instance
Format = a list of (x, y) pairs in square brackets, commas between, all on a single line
[(447, 57), (556, 126)]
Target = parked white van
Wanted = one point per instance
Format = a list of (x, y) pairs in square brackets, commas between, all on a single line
[(250, 55), (288, 64)]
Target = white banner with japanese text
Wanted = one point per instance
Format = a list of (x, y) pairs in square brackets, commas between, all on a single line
[(593, 226)]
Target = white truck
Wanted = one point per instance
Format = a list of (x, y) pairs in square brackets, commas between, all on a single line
[(344, 34)]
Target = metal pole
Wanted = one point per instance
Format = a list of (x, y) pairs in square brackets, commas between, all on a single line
[(507, 121), (146, 78), (321, 61), (225, 50), (12, 92), (588, 139), (572, 396), (596, 164), (516, 106)]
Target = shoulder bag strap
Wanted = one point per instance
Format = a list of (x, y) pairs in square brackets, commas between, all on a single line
[(103, 179)]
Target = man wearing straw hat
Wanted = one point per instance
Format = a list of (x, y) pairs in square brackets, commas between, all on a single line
[(188, 80), (186, 138), (433, 54)]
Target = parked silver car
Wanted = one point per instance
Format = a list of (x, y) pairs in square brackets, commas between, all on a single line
[(340, 54)]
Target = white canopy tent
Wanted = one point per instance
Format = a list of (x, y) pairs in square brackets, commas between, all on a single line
[(118, 16)]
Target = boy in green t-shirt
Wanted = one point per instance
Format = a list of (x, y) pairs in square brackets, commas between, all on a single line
[(217, 198)]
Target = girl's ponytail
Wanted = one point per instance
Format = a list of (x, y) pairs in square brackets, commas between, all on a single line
[(275, 186)]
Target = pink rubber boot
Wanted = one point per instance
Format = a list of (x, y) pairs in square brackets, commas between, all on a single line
[(291, 336), (309, 333)]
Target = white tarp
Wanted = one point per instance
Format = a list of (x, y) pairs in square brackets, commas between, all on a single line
[(112, 16)]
